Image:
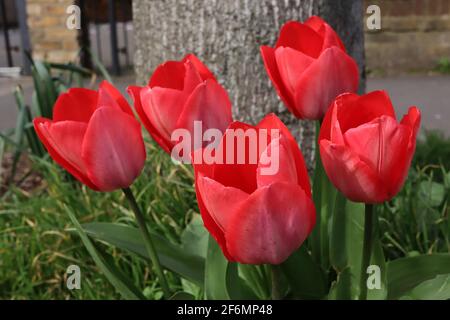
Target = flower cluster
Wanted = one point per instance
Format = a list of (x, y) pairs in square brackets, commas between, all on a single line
[(256, 217)]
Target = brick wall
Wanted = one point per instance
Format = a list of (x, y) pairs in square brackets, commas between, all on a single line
[(414, 36), (50, 39)]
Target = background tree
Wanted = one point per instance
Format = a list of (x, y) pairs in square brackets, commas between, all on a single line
[(227, 35)]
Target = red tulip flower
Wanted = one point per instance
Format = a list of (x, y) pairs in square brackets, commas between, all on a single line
[(366, 153), (309, 67), (179, 93), (256, 218), (95, 136)]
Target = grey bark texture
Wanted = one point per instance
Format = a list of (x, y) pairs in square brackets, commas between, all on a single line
[(226, 36)]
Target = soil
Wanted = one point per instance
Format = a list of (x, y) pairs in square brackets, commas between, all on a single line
[(25, 177)]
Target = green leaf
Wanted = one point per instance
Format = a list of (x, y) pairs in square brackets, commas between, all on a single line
[(346, 245), (324, 195), (194, 238), (258, 278), (304, 275), (437, 288), (341, 289), (2, 152), (432, 193), (45, 88), (182, 296), (114, 275), (18, 138), (406, 273), (237, 287), (215, 272), (378, 259), (129, 238)]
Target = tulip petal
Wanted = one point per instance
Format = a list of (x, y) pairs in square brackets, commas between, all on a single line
[(162, 107), (353, 110), (301, 38), (353, 177), (220, 201), (77, 104), (280, 168), (203, 170), (110, 96), (412, 120), (325, 31), (135, 93), (270, 122), (203, 70), (230, 172), (271, 224), (333, 73), (270, 63), (208, 103), (168, 75), (113, 149), (63, 141), (291, 65), (383, 145), (192, 78)]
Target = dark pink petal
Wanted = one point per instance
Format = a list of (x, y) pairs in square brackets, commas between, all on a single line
[(330, 118), (168, 75), (356, 110), (162, 107), (115, 95), (204, 170), (113, 149), (280, 168), (333, 73), (192, 78), (412, 119), (291, 65), (135, 93), (234, 174), (326, 32), (351, 176), (270, 63), (220, 201), (315, 23), (270, 122), (271, 224), (63, 142), (301, 38), (205, 73), (78, 104), (208, 103)]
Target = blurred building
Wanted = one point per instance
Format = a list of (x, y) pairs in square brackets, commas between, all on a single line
[(414, 35)]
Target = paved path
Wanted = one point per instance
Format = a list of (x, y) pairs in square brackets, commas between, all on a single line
[(430, 93)]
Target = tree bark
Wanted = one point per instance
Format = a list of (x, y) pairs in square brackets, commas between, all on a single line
[(226, 35)]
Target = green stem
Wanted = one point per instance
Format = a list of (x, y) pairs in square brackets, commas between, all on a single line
[(367, 250), (276, 283), (147, 240)]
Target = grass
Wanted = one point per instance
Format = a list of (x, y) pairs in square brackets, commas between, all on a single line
[(37, 243)]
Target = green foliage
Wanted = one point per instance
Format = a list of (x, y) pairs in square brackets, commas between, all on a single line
[(36, 247), (443, 66), (417, 219), (433, 150)]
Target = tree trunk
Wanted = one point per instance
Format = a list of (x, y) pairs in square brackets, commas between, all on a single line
[(226, 35)]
